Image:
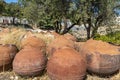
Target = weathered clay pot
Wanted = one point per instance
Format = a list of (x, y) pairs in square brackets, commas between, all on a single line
[(56, 35), (29, 62), (70, 37), (102, 58), (66, 64), (59, 43), (33, 41), (78, 46), (7, 53)]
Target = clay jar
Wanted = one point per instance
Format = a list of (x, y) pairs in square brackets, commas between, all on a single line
[(59, 43), (7, 54), (29, 62), (56, 35), (33, 41), (78, 46), (70, 37), (102, 58), (66, 64)]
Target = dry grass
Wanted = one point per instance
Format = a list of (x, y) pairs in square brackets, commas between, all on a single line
[(15, 37), (44, 37), (12, 76), (12, 37), (94, 77)]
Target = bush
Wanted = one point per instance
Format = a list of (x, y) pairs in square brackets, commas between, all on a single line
[(113, 38)]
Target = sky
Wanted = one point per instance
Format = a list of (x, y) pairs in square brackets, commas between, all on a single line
[(9, 1)]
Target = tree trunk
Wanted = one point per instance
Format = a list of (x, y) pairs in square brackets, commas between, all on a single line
[(94, 31), (13, 20), (89, 28), (35, 25), (57, 27), (66, 30), (88, 33)]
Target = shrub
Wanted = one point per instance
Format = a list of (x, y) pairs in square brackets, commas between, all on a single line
[(113, 38)]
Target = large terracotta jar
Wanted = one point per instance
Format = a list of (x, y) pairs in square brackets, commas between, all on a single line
[(66, 64), (29, 62), (102, 58), (33, 41), (7, 54), (59, 43), (56, 35), (78, 46), (70, 37)]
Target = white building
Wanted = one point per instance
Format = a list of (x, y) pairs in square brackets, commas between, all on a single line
[(9, 20)]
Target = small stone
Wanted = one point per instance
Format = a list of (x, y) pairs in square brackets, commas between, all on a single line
[(11, 77), (16, 78)]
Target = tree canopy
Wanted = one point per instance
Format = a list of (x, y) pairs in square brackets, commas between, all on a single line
[(2, 6), (64, 14)]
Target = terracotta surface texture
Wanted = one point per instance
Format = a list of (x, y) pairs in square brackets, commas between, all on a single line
[(78, 46), (102, 57), (66, 64), (33, 42), (7, 54), (59, 43), (29, 62), (100, 46), (70, 37), (55, 34)]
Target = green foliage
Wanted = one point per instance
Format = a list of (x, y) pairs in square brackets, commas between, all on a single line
[(2, 7), (91, 13), (37, 12), (111, 37), (12, 9)]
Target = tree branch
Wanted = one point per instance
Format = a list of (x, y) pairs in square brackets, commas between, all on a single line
[(67, 29)]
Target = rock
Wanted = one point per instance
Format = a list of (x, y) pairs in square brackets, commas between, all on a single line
[(66, 64), (29, 62), (102, 58), (7, 54)]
